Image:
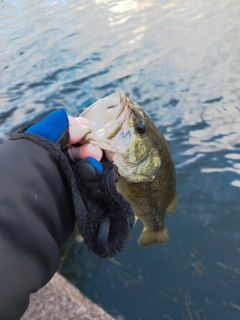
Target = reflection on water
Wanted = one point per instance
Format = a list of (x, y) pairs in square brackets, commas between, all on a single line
[(180, 61)]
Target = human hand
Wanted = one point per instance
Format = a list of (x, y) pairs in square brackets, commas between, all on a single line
[(55, 125), (78, 128)]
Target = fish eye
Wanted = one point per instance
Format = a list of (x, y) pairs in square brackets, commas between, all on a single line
[(140, 126)]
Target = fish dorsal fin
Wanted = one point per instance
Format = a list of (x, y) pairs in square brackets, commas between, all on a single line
[(147, 170)]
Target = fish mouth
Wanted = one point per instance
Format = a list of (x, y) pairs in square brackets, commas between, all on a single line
[(107, 117), (112, 131)]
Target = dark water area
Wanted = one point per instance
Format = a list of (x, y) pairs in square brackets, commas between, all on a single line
[(180, 60)]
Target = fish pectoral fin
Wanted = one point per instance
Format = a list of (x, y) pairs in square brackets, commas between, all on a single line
[(147, 237), (172, 206), (136, 219)]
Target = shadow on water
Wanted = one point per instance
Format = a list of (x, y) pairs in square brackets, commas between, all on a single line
[(180, 61)]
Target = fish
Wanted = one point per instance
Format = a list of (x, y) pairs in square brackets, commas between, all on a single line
[(130, 139)]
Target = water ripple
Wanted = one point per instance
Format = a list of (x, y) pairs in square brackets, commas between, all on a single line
[(180, 61)]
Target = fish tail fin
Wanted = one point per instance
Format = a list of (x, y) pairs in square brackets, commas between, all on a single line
[(148, 237), (172, 206)]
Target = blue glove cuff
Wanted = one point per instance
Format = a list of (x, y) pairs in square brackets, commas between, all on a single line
[(52, 126), (95, 163)]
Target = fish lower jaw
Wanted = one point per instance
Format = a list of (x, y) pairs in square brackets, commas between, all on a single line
[(119, 162)]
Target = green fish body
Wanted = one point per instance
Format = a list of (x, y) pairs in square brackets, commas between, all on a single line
[(130, 139)]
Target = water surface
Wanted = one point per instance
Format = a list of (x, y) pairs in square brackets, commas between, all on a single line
[(181, 61)]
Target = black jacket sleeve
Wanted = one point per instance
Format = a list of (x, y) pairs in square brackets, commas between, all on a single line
[(41, 198), (36, 218)]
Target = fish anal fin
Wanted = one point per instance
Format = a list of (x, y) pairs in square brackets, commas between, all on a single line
[(172, 206), (147, 237)]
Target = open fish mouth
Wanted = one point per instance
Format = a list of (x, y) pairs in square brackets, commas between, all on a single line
[(113, 128), (107, 117)]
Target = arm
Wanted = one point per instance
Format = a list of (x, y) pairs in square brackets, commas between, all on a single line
[(41, 196), (36, 217), (36, 214)]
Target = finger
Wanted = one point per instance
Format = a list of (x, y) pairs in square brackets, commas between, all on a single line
[(87, 150), (78, 127)]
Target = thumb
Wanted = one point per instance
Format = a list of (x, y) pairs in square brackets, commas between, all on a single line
[(78, 128)]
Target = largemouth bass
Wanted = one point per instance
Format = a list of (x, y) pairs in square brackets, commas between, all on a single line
[(147, 176)]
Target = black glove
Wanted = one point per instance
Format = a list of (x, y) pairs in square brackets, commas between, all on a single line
[(109, 220), (104, 217)]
